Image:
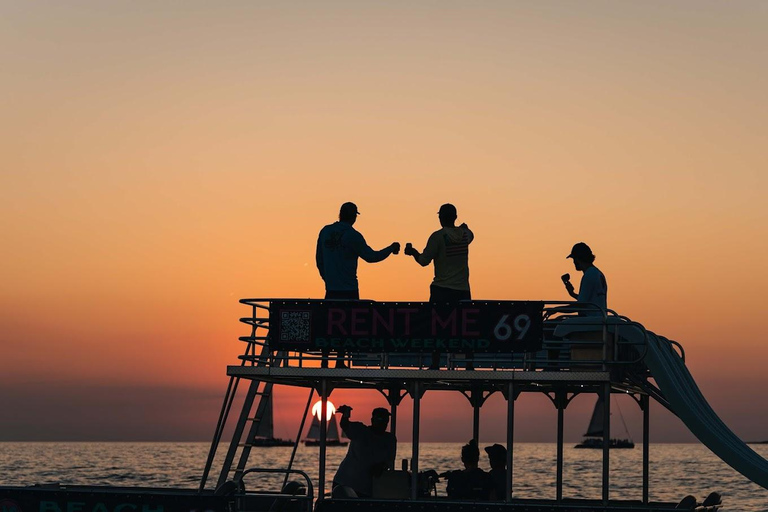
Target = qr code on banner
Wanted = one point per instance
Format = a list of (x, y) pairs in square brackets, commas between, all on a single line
[(295, 326)]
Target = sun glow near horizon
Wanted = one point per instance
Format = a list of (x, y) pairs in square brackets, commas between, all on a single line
[(330, 410)]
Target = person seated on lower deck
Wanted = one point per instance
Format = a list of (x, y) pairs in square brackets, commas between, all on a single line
[(472, 483), (497, 457)]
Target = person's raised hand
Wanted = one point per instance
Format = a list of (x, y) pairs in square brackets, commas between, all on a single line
[(464, 225), (395, 247), (409, 249), (344, 409)]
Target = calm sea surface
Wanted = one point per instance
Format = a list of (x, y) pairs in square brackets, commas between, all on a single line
[(676, 469)]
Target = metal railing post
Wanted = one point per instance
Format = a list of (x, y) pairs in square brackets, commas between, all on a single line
[(323, 434), (510, 437), (646, 405), (415, 442), (606, 441)]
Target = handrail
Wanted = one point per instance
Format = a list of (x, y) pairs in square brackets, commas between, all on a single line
[(309, 497), (673, 342)]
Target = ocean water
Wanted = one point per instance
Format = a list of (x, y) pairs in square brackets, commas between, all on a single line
[(676, 469)]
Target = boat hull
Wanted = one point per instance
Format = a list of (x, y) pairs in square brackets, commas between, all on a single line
[(60, 498), (124, 499), (271, 442), (597, 444), (327, 443)]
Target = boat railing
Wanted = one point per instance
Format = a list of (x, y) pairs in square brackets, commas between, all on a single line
[(288, 496), (576, 337)]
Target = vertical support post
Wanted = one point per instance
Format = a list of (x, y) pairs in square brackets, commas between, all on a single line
[(606, 441), (645, 403), (476, 423), (415, 443), (560, 399), (323, 434), (510, 436), (393, 419)]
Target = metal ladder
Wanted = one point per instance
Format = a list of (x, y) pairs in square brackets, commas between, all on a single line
[(256, 388)]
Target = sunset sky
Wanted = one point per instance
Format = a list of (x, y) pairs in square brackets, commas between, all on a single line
[(161, 161)]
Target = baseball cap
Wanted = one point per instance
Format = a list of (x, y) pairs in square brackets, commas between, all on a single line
[(496, 451), (348, 210), (581, 251), (447, 210), (380, 411)]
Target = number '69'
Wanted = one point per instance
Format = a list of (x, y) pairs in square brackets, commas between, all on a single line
[(503, 331)]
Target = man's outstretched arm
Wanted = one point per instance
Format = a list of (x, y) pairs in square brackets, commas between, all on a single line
[(367, 254), (426, 257)]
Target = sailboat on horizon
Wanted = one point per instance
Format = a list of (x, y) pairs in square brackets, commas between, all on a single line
[(265, 432), (593, 438), (332, 437)]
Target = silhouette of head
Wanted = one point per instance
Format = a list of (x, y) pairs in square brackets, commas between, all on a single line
[(447, 215), (582, 256), (497, 456), (348, 213), (380, 419), (470, 454)]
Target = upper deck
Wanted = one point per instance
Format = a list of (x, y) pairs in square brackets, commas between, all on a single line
[(473, 344)]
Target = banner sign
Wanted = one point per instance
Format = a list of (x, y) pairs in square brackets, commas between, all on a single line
[(365, 326)]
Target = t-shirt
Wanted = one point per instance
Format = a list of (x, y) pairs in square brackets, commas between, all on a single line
[(470, 484), (594, 289), (338, 247), (366, 449), (449, 248)]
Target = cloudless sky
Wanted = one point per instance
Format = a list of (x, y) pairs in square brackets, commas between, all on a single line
[(162, 160)]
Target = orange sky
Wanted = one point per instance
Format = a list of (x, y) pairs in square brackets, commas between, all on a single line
[(162, 161)]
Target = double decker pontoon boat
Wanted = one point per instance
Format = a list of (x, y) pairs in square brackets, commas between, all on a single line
[(560, 349)]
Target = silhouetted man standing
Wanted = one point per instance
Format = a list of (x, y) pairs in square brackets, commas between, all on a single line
[(338, 247), (448, 247), (371, 451), (593, 287)]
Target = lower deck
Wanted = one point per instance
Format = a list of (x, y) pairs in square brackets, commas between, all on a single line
[(136, 499)]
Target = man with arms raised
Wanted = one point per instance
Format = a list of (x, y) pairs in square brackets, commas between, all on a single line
[(371, 451)]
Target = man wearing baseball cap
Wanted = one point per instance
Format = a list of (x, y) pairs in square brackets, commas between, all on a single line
[(339, 245), (448, 247), (593, 288), (372, 450)]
